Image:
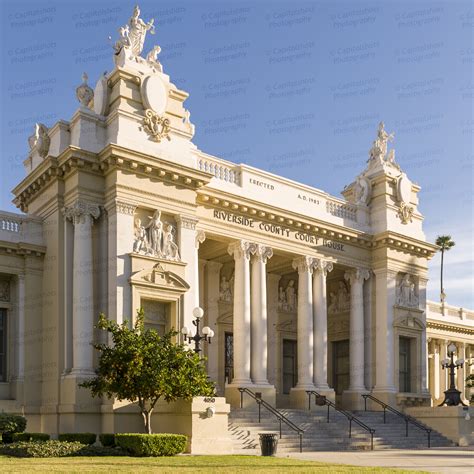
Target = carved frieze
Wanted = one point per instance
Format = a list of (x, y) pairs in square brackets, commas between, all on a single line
[(339, 298), (156, 238), (406, 293), (287, 297)]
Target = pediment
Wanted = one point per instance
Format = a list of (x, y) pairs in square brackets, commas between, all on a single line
[(161, 278), (409, 321)]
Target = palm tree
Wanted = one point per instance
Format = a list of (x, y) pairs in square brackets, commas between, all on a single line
[(445, 242)]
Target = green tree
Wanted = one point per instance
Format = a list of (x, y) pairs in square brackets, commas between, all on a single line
[(445, 242), (143, 367)]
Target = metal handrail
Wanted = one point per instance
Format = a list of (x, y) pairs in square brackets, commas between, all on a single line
[(281, 417), (407, 418), (348, 415)]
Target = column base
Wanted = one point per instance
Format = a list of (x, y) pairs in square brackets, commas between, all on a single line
[(233, 396), (386, 395), (299, 397), (352, 400)]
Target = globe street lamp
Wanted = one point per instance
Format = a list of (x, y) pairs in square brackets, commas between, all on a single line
[(190, 335), (452, 396)]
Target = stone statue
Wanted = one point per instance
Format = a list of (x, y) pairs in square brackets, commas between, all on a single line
[(152, 58), (406, 292), (225, 291), (333, 302), (4, 291), (132, 36), (343, 300), (154, 229), (170, 249), (141, 240), (290, 293), (281, 299), (379, 147), (40, 140)]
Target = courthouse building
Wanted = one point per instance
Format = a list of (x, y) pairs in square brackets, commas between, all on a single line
[(302, 289)]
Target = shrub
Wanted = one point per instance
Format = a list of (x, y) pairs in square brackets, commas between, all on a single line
[(84, 438), (151, 444), (30, 437), (10, 424), (46, 449), (88, 450), (107, 439)]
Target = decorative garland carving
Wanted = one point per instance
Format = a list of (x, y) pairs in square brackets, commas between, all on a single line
[(405, 213), (156, 126)]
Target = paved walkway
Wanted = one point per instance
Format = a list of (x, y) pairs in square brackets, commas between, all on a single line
[(444, 460)]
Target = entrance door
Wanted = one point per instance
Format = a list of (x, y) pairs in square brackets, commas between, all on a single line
[(340, 351), (404, 365), (290, 365), (228, 357)]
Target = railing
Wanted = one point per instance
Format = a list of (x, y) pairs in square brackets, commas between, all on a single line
[(10, 224), (281, 418), (407, 418), (341, 209), (349, 416), (221, 170)]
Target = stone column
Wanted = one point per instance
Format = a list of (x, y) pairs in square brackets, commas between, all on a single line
[(443, 373), (188, 242), (212, 314), (385, 286), (274, 354), (241, 252), (305, 334), (320, 329), (352, 398), (422, 374), (460, 376), (120, 245), (82, 215), (259, 351), (21, 329)]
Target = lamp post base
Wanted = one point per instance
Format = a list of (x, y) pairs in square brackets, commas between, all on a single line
[(452, 398)]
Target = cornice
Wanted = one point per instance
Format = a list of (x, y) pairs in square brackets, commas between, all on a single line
[(22, 249), (405, 244), (288, 219), (450, 327), (117, 157)]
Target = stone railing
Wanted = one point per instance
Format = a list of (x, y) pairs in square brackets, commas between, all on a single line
[(15, 228), (341, 209), (435, 308), (10, 223), (227, 172)]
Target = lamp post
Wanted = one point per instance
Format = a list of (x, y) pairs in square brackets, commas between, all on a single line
[(452, 396), (190, 335)]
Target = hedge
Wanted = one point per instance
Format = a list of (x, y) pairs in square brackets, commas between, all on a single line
[(46, 449), (107, 439), (84, 438), (10, 424), (161, 444), (53, 448), (30, 437)]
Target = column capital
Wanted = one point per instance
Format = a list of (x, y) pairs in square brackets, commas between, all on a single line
[(81, 211), (241, 249), (261, 253), (200, 237), (187, 222), (322, 266), (125, 208), (303, 264), (357, 275)]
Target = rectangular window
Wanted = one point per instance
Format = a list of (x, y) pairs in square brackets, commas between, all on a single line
[(289, 365), (340, 350), (404, 364), (157, 315), (3, 345), (229, 356)]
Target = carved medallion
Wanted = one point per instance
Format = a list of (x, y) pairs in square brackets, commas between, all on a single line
[(156, 126), (405, 213)]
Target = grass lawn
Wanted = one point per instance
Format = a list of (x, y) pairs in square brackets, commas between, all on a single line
[(179, 464)]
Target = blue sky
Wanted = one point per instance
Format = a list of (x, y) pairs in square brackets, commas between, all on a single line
[(295, 88)]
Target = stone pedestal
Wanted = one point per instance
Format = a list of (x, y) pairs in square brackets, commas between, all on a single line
[(232, 395)]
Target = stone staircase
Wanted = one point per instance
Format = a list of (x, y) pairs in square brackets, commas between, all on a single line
[(322, 436)]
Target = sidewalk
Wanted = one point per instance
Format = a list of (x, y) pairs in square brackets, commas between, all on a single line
[(444, 460)]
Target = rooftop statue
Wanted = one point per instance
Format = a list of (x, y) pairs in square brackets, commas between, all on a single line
[(132, 36), (379, 147)]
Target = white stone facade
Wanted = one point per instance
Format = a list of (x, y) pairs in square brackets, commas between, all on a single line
[(304, 291)]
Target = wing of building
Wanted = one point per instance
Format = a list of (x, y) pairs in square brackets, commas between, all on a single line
[(302, 289)]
